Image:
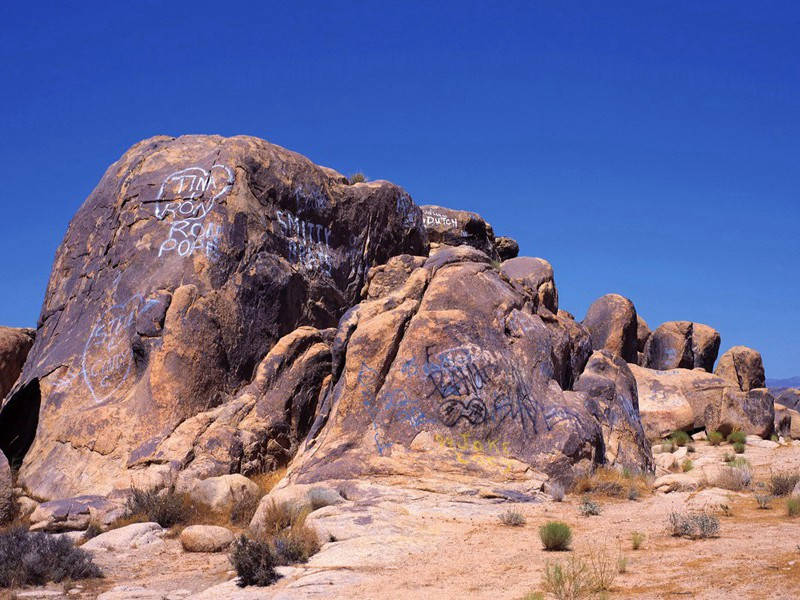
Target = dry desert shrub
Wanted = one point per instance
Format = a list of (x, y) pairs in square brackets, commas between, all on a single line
[(793, 506), (637, 537), (715, 438), (570, 580), (34, 558), (782, 484), (512, 518), (254, 561), (613, 483), (763, 501), (165, 507), (735, 478), (694, 526), (589, 508)]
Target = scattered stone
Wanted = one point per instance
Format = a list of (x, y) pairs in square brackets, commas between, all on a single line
[(206, 538)]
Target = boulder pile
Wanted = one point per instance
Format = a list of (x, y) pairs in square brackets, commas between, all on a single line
[(222, 307)]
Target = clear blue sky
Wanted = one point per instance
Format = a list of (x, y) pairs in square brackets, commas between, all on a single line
[(645, 148)]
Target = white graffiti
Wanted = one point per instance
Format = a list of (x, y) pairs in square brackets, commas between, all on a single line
[(187, 197), (107, 356), (309, 243), (313, 199), (430, 219), (409, 212)]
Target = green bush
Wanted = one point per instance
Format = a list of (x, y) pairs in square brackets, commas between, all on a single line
[(357, 178), (637, 537), (687, 465), (254, 561), (680, 438), (737, 437), (738, 447), (715, 438), (793, 506), (555, 536), (34, 558)]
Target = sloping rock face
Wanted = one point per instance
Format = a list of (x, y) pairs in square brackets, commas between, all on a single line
[(609, 383), (179, 273), (459, 228), (451, 372), (613, 325), (682, 345), (15, 344), (535, 274), (743, 367), (692, 399)]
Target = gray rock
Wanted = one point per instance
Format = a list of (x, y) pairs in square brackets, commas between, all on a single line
[(129, 537), (206, 538)]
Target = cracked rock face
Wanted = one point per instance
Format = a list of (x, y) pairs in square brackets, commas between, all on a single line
[(743, 367), (183, 268), (452, 371), (15, 344), (682, 345)]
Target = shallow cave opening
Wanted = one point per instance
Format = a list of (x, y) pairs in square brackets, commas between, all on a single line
[(18, 421)]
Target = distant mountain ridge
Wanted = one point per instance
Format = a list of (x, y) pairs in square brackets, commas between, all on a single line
[(790, 382)]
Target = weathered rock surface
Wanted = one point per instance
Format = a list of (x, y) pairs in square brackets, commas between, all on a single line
[(74, 514), (611, 388), (15, 344), (222, 493), (613, 325), (132, 536), (682, 345), (687, 400), (789, 397), (206, 538), (451, 372), (458, 228), (743, 367), (506, 247), (6, 491), (643, 333), (183, 268), (536, 276), (574, 355)]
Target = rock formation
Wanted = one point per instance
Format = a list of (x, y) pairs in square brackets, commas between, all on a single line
[(14, 347), (682, 345), (454, 370), (459, 228), (183, 268), (742, 366), (613, 325), (536, 275)]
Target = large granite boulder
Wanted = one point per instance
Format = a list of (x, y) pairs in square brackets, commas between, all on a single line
[(183, 268), (743, 367), (611, 387), (459, 228), (578, 347), (682, 345), (613, 325), (682, 399), (15, 343), (452, 372), (536, 276), (789, 397)]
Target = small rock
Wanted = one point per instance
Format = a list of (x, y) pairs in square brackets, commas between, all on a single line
[(700, 436), (680, 452), (675, 482), (206, 538), (665, 461)]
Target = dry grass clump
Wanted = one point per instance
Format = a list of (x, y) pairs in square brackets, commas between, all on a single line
[(357, 178), (680, 438), (782, 484), (694, 526), (557, 492), (589, 508), (512, 518), (613, 483), (735, 477), (34, 558), (555, 536), (165, 507), (687, 465), (737, 437), (715, 438), (793, 506), (285, 539), (763, 501), (637, 537), (578, 578)]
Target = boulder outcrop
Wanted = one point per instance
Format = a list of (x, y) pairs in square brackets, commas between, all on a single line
[(446, 226), (180, 272), (452, 371), (536, 276), (15, 343), (682, 399), (743, 367), (507, 247), (614, 326), (682, 345)]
